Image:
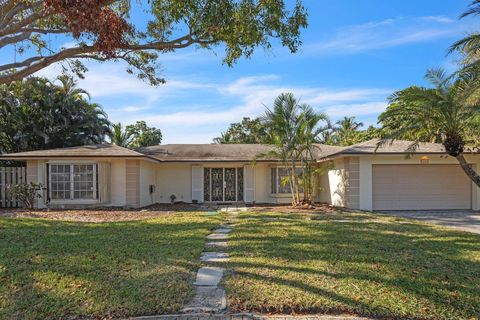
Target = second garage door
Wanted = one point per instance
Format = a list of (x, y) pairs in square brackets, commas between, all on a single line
[(420, 187)]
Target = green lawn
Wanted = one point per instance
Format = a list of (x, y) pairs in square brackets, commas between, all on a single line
[(353, 263), (53, 269)]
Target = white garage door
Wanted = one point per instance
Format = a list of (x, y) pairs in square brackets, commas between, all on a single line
[(420, 187)]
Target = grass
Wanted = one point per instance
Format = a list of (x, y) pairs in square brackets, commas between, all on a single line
[(363, 264), (58, 269)]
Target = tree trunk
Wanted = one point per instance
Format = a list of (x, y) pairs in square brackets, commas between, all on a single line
[(294, 190), (290, 181), (472, 174)]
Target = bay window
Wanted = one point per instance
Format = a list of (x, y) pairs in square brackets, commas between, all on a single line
[(72, 181)]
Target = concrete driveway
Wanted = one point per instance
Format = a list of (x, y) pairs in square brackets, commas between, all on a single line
[(459, 219)]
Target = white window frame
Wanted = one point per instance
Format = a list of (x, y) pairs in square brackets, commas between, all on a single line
[(72, 198), (277, 180)]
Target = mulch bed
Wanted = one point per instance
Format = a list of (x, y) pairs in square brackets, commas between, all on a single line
[(83, 215), (100, 214), (319, 208), (115, 214)]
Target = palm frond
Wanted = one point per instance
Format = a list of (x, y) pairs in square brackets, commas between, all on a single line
[(437, 77), (474, 9)]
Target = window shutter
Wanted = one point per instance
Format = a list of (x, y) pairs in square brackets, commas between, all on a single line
[(249, 176), (103, 182), (197, 183), (48, 182)]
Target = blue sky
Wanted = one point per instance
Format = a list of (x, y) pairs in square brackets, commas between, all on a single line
[(355, 53)]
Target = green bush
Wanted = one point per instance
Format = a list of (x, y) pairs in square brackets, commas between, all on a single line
[(26, 193)]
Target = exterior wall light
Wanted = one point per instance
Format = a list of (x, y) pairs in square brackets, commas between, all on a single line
[(424, 160)]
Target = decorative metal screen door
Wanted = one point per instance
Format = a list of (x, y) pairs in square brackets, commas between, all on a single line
[(223, 184), (230, 184), (217, 184)]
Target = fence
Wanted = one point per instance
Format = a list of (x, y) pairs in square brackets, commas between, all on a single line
[(10, 176)]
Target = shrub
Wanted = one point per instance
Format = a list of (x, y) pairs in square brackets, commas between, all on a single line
[(26, 193)]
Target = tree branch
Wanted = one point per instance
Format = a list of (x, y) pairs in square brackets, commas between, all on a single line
[(8, 28), (21, 64), (9, 10), (5, 41), (45, 31), (37, 63)]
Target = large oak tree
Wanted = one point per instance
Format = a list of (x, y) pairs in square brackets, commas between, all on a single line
[(104, 30)]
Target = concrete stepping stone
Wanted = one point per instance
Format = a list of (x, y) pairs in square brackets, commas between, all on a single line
[(223, 230), (217, 236), (209, 276), (214, 257), (219, 244), (207, 299)]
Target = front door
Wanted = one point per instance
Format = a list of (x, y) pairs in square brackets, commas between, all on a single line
[(229, 184), (223, 184), (217, 184)]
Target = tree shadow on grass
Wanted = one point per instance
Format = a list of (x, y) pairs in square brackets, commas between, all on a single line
[(434, 270), (56, 269)]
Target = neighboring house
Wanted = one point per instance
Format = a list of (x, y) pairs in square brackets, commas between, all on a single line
[(357, 177)]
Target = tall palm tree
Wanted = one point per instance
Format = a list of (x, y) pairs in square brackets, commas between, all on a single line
[(469, 46), (120, 136), (225, 138), (36, 114), (68, 88), (314, 125), (448, 113), (347, 131), (294, 129)]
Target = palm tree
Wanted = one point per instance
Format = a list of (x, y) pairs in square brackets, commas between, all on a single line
[(448, 113), (36, 114), (347, 131), (225, 138), (69, 89), (294, 129), (120, 136), (469, 46), (307, 136)]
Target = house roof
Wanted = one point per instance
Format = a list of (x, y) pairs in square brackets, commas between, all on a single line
[(219, 152), (389, 148), (395, 146), (87, 151)]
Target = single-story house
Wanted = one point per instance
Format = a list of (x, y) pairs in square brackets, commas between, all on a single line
[(358, 177)]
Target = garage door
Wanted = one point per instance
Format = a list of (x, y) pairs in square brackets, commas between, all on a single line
[(420, 187)]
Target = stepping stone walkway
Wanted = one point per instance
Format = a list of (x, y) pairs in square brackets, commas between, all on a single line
[(208, 296), (209, 276), (214, 257), (223, 230), (217, 236), (219, 244)]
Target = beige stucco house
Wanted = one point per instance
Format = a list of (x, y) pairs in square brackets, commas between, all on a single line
[(359, 177)]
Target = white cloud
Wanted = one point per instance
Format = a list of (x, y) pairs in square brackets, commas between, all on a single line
[(195, 111), (441, 19), (355, 109), (135, 108), (325, 96), (247, 96), (388, 33)]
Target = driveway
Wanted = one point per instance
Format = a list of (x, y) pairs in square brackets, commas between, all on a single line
[(464, 220)]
